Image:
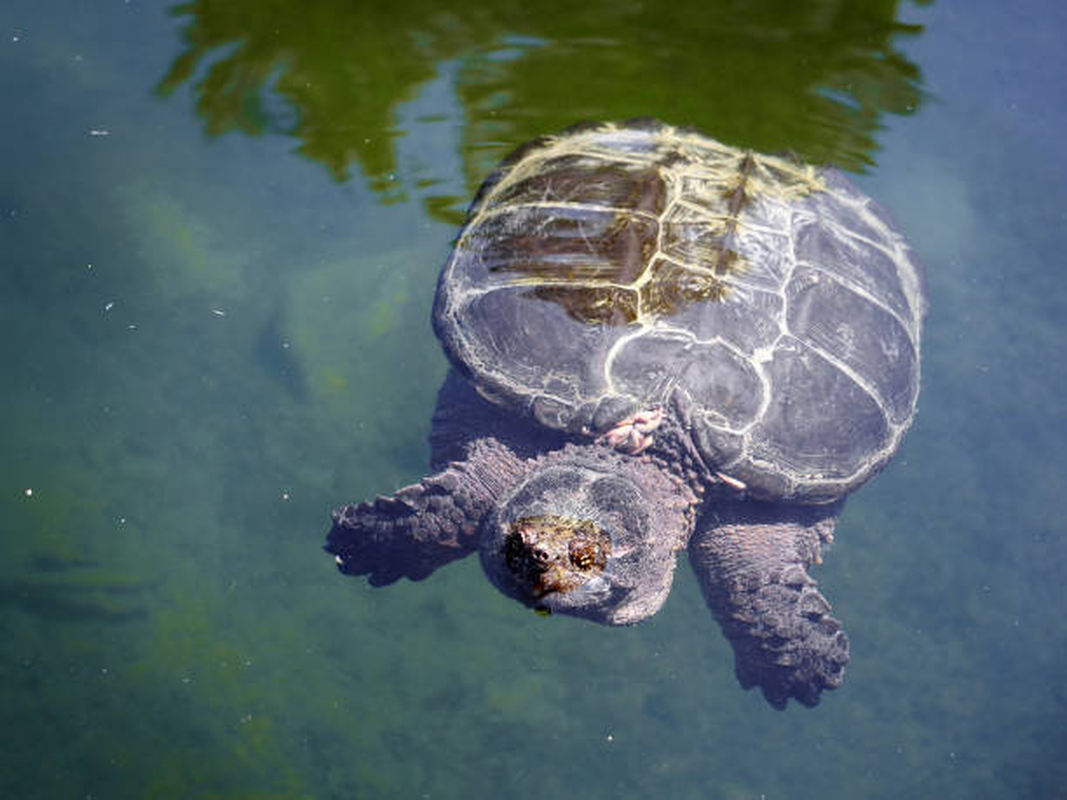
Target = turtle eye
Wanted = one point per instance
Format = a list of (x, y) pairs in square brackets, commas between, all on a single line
[(586, 555), (582, 558), (514, 548)]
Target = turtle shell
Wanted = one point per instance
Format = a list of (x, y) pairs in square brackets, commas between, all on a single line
[(618, 267)]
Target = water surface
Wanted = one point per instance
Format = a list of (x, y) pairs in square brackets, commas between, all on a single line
[(220, 228)]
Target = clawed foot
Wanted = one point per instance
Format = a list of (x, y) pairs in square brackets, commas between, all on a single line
[(633, 435)]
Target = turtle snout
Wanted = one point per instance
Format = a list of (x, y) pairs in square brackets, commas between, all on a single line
[(550, 554)]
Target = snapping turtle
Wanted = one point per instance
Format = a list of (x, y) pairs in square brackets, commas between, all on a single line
[(660, 342)]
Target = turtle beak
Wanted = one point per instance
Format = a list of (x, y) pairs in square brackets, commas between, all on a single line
[(591, 594)]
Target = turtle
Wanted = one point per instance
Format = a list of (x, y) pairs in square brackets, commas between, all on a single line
[(659, 342)]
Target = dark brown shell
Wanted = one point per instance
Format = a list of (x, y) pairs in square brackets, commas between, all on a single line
[(604, 269)]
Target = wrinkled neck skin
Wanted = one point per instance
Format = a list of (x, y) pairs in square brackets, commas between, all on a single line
[(589, 532)]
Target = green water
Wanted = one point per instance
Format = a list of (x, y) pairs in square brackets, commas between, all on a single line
[(220, 226)]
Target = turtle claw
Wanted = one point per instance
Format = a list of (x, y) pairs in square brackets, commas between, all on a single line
[(633, 435)]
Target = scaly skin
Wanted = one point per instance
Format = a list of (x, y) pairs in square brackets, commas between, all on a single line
[(751, 560), (588, 530), (426, 525)]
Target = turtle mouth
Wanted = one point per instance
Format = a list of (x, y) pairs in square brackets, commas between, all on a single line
[(550, 554)]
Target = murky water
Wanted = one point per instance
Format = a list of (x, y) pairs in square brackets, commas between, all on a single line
[(219, 234)]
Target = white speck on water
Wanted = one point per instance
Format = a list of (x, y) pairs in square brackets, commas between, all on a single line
[(99, 132), (218, 312), (29, 492)]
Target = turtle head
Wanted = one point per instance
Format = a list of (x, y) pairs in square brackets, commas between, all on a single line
[(587, 534)]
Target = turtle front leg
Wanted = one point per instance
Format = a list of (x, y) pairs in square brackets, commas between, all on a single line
[(751, 560), (426, 525), (633, 435)]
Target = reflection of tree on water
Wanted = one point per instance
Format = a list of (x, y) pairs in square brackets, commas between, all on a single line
[(812, 78)]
